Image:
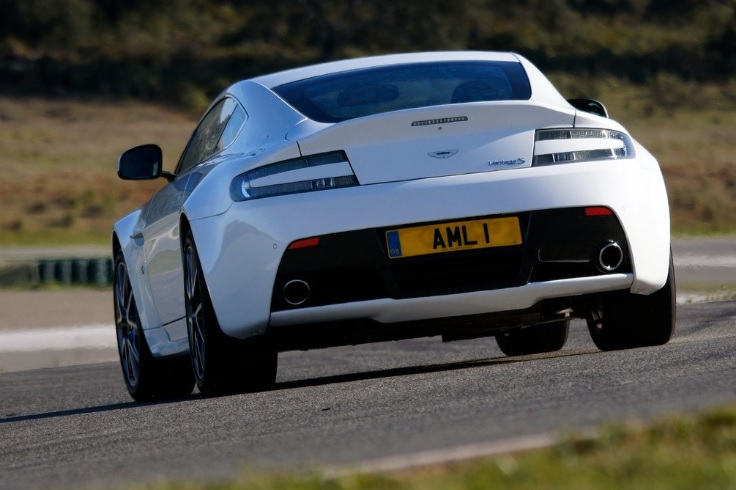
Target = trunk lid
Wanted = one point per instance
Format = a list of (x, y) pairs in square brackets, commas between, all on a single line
[(438, 141)]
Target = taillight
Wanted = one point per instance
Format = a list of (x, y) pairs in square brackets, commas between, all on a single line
[(556, 146), (313, 173), (304, 243), (598, 211)]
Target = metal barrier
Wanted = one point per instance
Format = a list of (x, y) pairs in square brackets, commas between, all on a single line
[(75, 271)]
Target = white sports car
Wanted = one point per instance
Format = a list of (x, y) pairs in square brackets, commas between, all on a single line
[(435, 194)]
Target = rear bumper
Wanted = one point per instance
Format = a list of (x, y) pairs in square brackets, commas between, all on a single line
[(243, 250), (454, 317), (349, 276), (455, 305), (355, 266)]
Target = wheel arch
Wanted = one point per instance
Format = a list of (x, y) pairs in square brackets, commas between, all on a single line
[(238, 314), (185, 228), (116, 247), (122, 241)]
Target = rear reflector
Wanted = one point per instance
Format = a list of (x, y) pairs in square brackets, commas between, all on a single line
[(598, 211), (307, 242)]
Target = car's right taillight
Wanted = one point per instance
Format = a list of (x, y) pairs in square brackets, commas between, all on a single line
[(570, 145)]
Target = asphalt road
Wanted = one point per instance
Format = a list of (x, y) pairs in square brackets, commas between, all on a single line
[(370, 405)]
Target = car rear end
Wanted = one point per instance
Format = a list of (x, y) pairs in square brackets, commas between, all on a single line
[(489, 207)]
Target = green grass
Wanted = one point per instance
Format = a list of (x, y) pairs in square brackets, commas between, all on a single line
[(686, 453)]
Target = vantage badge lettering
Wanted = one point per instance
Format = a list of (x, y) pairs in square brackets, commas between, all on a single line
[(451, 237), (507, 163)]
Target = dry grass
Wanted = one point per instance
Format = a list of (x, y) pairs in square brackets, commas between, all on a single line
[(58, 182), (59, 157), (692, 132)]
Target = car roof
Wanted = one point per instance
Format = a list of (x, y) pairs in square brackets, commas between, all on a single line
[(293, 75)]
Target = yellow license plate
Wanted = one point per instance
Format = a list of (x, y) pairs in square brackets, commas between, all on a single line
[(451, 237)]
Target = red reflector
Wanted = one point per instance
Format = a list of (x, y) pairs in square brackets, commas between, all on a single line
[(307, 242), (598, 211)]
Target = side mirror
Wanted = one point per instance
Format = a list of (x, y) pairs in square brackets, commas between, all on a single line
[(589, 105), (142, 163)]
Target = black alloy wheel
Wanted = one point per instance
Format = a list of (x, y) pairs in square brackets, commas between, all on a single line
[(623, 320), (147, 378), (221, 364)]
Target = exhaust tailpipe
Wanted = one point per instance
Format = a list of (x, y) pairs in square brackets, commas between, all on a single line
[(296, 292), (610, 257)]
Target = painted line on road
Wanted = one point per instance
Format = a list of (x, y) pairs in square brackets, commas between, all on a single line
[(705, 261), (101, 336)]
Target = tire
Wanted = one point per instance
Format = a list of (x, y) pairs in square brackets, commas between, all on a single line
[(146, 377), (625, 321), (548, 337), (221, 365)]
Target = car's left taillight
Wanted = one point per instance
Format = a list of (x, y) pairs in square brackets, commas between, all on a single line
[(570, 145), (306, 174)]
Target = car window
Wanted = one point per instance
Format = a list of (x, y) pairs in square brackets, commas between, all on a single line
[(357, 93), (216, 132), (232, 129)]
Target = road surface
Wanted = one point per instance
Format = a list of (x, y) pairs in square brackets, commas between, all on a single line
[(375, 406)]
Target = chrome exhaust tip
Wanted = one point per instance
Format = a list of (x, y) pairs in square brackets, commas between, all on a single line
[(296, 292), (610, 257)]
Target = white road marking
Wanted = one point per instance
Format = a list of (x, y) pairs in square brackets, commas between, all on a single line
[(100, 336), (705, 261)]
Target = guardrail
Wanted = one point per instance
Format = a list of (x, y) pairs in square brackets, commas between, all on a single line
[(94, 272)]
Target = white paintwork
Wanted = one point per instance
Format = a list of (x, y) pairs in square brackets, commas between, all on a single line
[(240, 244), (493, 131)]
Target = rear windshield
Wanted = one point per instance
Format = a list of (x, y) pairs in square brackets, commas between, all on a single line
[(347, 95)]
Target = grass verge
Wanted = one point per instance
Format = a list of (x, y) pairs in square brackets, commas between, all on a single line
[(678, 453)]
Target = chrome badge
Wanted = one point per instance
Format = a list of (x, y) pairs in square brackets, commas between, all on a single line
[(444, 120), (442, 153), (507, 163)]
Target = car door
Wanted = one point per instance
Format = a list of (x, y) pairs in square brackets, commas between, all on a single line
[(163, 264)]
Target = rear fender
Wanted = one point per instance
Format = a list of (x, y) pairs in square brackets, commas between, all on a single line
[(132, 249)]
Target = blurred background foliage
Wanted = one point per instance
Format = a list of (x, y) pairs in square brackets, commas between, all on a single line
[(185, 51), (81, 80)]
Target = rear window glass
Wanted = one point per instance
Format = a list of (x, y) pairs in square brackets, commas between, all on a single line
[(347, 95)]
